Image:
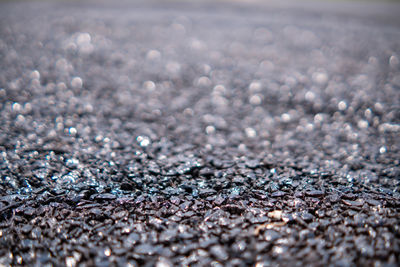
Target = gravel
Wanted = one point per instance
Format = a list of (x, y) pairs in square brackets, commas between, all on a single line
[(212, 134)]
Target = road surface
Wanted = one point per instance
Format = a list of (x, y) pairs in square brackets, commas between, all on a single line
[(201, 134)]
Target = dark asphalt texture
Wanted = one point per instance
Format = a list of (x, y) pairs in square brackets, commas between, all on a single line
[(203, 134)]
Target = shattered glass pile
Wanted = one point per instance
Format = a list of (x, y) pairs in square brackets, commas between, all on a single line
[(146, 135)]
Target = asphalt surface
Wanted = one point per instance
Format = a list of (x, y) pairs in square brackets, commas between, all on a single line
[(203, 134)]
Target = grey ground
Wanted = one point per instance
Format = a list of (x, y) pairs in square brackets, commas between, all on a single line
[(222, 134)]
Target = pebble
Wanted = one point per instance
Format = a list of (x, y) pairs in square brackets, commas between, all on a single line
[(315, 193), (356, 203)]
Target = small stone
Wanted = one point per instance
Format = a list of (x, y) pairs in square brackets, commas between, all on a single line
[(271, 235), (106, 196), (29, 211), (146, 249), (26, 229), (276, 214), (163, 262), (278, 194), (307, 217), (373, 202), (219, 252), (356, 203), (252, 164), (334, 198), (315, 193)]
